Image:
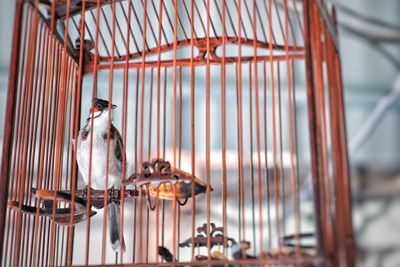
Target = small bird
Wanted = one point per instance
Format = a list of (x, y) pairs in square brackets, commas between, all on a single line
[(98, 122)]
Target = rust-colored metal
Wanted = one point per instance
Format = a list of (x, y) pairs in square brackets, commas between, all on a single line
[(184, 68), (343, 222), (201, 44), (9, 119), (274, 137), (312, 123), (192, 126), (196, 62), (208, 133), (223, 125), (335, 239)]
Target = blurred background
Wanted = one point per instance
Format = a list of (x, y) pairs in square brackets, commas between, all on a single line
[(369, 36)]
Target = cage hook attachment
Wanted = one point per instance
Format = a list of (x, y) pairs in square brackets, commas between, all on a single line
[(216, 235)]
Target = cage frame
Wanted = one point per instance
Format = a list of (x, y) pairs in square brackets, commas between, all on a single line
[(334, 231)]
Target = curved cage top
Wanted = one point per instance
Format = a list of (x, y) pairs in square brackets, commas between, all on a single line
[(149, 26)]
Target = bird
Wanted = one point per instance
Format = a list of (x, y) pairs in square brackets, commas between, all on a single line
[(98, 123)]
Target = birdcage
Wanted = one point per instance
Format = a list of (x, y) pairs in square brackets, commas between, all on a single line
[(232, 123)]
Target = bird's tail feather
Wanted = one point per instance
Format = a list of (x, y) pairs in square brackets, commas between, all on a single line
[(117, 241)]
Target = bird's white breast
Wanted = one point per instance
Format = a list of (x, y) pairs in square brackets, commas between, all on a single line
[(99, 157)]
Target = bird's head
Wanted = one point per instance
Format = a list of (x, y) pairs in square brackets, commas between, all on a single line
[(100, 107)]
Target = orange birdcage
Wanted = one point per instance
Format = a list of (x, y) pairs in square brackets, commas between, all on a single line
[(232, 118)]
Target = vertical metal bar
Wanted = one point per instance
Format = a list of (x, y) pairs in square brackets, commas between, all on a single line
[(51, 169), (274, 141), (150, 120), (71, 161), (292, 133), (192, 122), (136, 166), (94, 93), (160, 28), (242, 234), (9, 118), (45, 136), (60, 249), (25, 138), (208, 131), (59, 133), (296, 187), (16, 135), (281, 169), (40, 123), (175, 43), (307, 8), (34, 113), (325, 185), (174, 243), (340, 157), (144, 42), (253, 207), (70, 183), (160, 31), (26, 144), (110, 94), (256, 88), (180, 150), (125, 93), (223, 125), (75, 129), (164, 145)]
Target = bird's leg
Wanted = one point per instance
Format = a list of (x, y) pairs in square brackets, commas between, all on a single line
[(85, 190), (111, 195)]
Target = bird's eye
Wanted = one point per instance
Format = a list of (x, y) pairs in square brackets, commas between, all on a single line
[(98, 106)]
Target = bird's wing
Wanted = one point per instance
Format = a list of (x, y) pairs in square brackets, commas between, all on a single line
[(118, 142)]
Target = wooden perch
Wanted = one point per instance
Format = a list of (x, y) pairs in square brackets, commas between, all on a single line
[(80, 200), (157, 179)]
